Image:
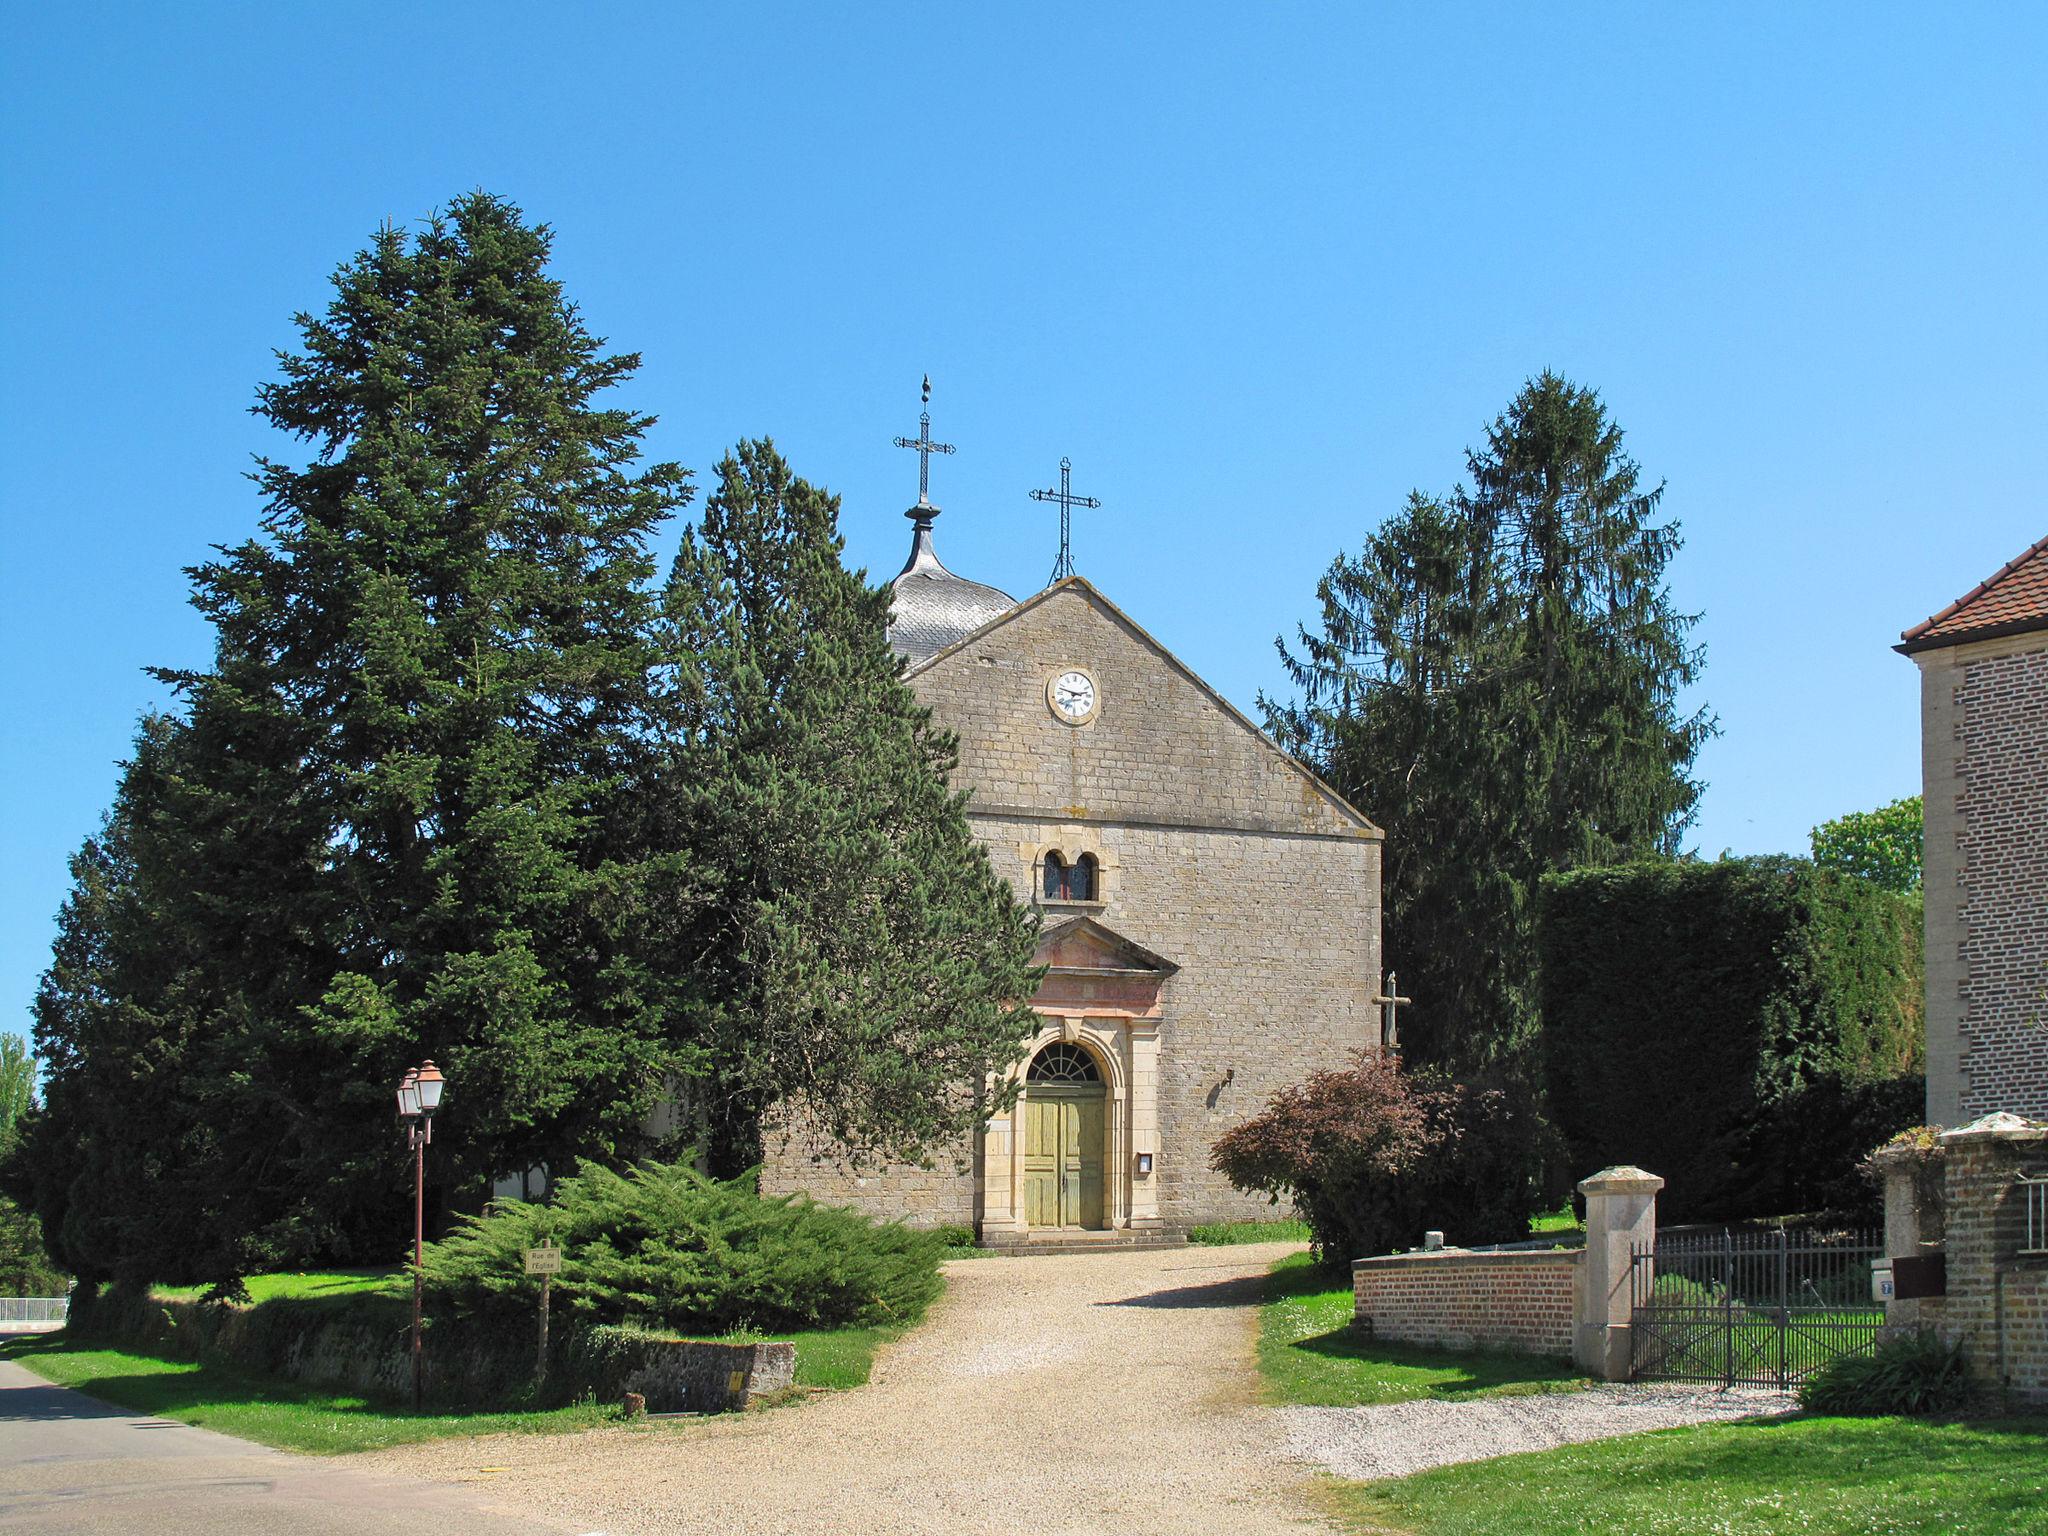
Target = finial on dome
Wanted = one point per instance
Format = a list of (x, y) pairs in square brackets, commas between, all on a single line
[(923, 513)]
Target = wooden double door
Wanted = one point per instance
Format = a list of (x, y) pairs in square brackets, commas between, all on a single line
[(1064, 1126)]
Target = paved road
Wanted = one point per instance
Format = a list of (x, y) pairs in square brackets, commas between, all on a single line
[(1093, 1395), (73, 1466)]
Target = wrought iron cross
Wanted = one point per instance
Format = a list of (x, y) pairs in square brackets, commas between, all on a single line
[(1390, 1002), (1064, 566), (925, 449)]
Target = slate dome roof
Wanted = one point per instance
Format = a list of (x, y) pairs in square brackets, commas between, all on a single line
[(933, 607)]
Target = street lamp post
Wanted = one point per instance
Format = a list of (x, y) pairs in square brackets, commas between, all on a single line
[(419, 1095)]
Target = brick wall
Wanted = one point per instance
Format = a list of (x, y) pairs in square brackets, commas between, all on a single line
[(1984, 719), (1997, 1301), (1453, 1300)]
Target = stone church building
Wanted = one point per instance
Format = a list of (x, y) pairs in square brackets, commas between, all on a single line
[(1211, 916)]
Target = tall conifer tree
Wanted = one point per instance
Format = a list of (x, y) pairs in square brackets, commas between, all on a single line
[(400, 814), (1496, 679), (862, 962)]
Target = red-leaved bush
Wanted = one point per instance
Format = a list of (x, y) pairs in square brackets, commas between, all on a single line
[(1374, 1154)]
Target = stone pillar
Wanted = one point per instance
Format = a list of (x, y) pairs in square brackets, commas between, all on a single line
[(1621, 1216), (1144, 1061)]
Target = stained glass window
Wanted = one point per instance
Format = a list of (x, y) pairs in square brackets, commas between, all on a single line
[(1055, 878)]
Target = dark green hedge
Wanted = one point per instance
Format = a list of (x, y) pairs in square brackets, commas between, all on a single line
[(1747, 1028)]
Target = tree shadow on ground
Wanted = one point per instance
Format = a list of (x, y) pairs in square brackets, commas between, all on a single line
[(1449, 1373), (1242, 1291)]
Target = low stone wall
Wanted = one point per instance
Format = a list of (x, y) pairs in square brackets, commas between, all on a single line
[(1453, 1299), (363, 1345)]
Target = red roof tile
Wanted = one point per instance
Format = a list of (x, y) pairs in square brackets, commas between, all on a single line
[(2011, 602)]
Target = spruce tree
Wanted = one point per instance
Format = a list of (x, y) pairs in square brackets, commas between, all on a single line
[(1496, 680), (863, 966), (402, 814)]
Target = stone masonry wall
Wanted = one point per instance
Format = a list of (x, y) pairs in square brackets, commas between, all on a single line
[(1277, 940), (1452, 1300), (1216, 852), (943, 1195), (1985, 767)]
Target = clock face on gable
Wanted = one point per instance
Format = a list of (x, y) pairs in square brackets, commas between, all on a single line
[(1072, 697)]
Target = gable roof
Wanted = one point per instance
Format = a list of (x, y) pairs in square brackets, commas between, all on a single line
[(1082, 586), (2011, 602)]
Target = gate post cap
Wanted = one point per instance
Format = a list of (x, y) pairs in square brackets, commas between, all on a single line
[(1999, 1126), (1623, 1179)]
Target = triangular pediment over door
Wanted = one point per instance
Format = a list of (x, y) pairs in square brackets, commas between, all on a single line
[(1091, 965)]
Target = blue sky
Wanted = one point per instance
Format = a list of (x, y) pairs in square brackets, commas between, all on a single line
[(1257, 270)]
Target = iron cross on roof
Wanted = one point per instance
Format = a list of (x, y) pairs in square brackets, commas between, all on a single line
[(925, 447), (1064, 566)]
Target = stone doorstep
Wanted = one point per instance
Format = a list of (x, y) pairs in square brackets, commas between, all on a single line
[(1121, 1240)]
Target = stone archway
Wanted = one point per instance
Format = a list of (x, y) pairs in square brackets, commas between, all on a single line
[(1101, 998)]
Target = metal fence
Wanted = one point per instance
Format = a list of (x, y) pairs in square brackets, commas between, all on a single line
[(1760, 1306), (33, 1309)]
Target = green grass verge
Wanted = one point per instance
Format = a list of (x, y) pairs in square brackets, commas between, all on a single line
[(291, 1417), (1563, 1222), (1226, 1234), (1309, 1353), (273, 1413), (301, 1284), (1811, 1476)]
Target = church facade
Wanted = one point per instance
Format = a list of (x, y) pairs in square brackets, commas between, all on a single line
[(1210, 911)]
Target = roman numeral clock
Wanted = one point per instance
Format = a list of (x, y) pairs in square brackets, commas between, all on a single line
[(1072, 696)]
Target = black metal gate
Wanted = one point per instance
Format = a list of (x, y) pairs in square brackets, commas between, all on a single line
[(1766, 1307)]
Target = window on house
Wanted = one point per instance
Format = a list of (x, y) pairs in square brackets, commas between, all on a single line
[(1081, 879), (1055, 877)]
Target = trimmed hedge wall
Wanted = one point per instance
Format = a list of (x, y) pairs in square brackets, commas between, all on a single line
[(1747, 1028)]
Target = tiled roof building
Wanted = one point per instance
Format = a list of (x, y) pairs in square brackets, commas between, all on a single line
[(1984, 765)]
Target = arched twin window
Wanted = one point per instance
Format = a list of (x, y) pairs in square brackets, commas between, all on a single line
[(1071, 882)]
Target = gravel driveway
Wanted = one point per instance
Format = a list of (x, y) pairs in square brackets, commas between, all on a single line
[(1393, 1439), (1097, 1393)]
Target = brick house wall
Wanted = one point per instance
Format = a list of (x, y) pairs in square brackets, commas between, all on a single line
[(1216, 851), (1984, 744), (1452, 1300)]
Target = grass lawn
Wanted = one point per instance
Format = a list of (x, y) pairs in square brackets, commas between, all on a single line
[(275, 1413), (296, 1418), (301, 1283), (1225, 1234), (1309, 1354), (1812, 1476)]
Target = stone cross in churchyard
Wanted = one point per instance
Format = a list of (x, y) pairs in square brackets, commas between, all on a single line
[(1064, 566), (925, 449), (1390, 1003)]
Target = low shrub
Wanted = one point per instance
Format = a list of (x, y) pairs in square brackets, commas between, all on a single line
[(1373, 1155), (1907, 1373), (663, 1246)]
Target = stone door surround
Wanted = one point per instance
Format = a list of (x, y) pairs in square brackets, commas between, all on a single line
[(1102, 993)]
